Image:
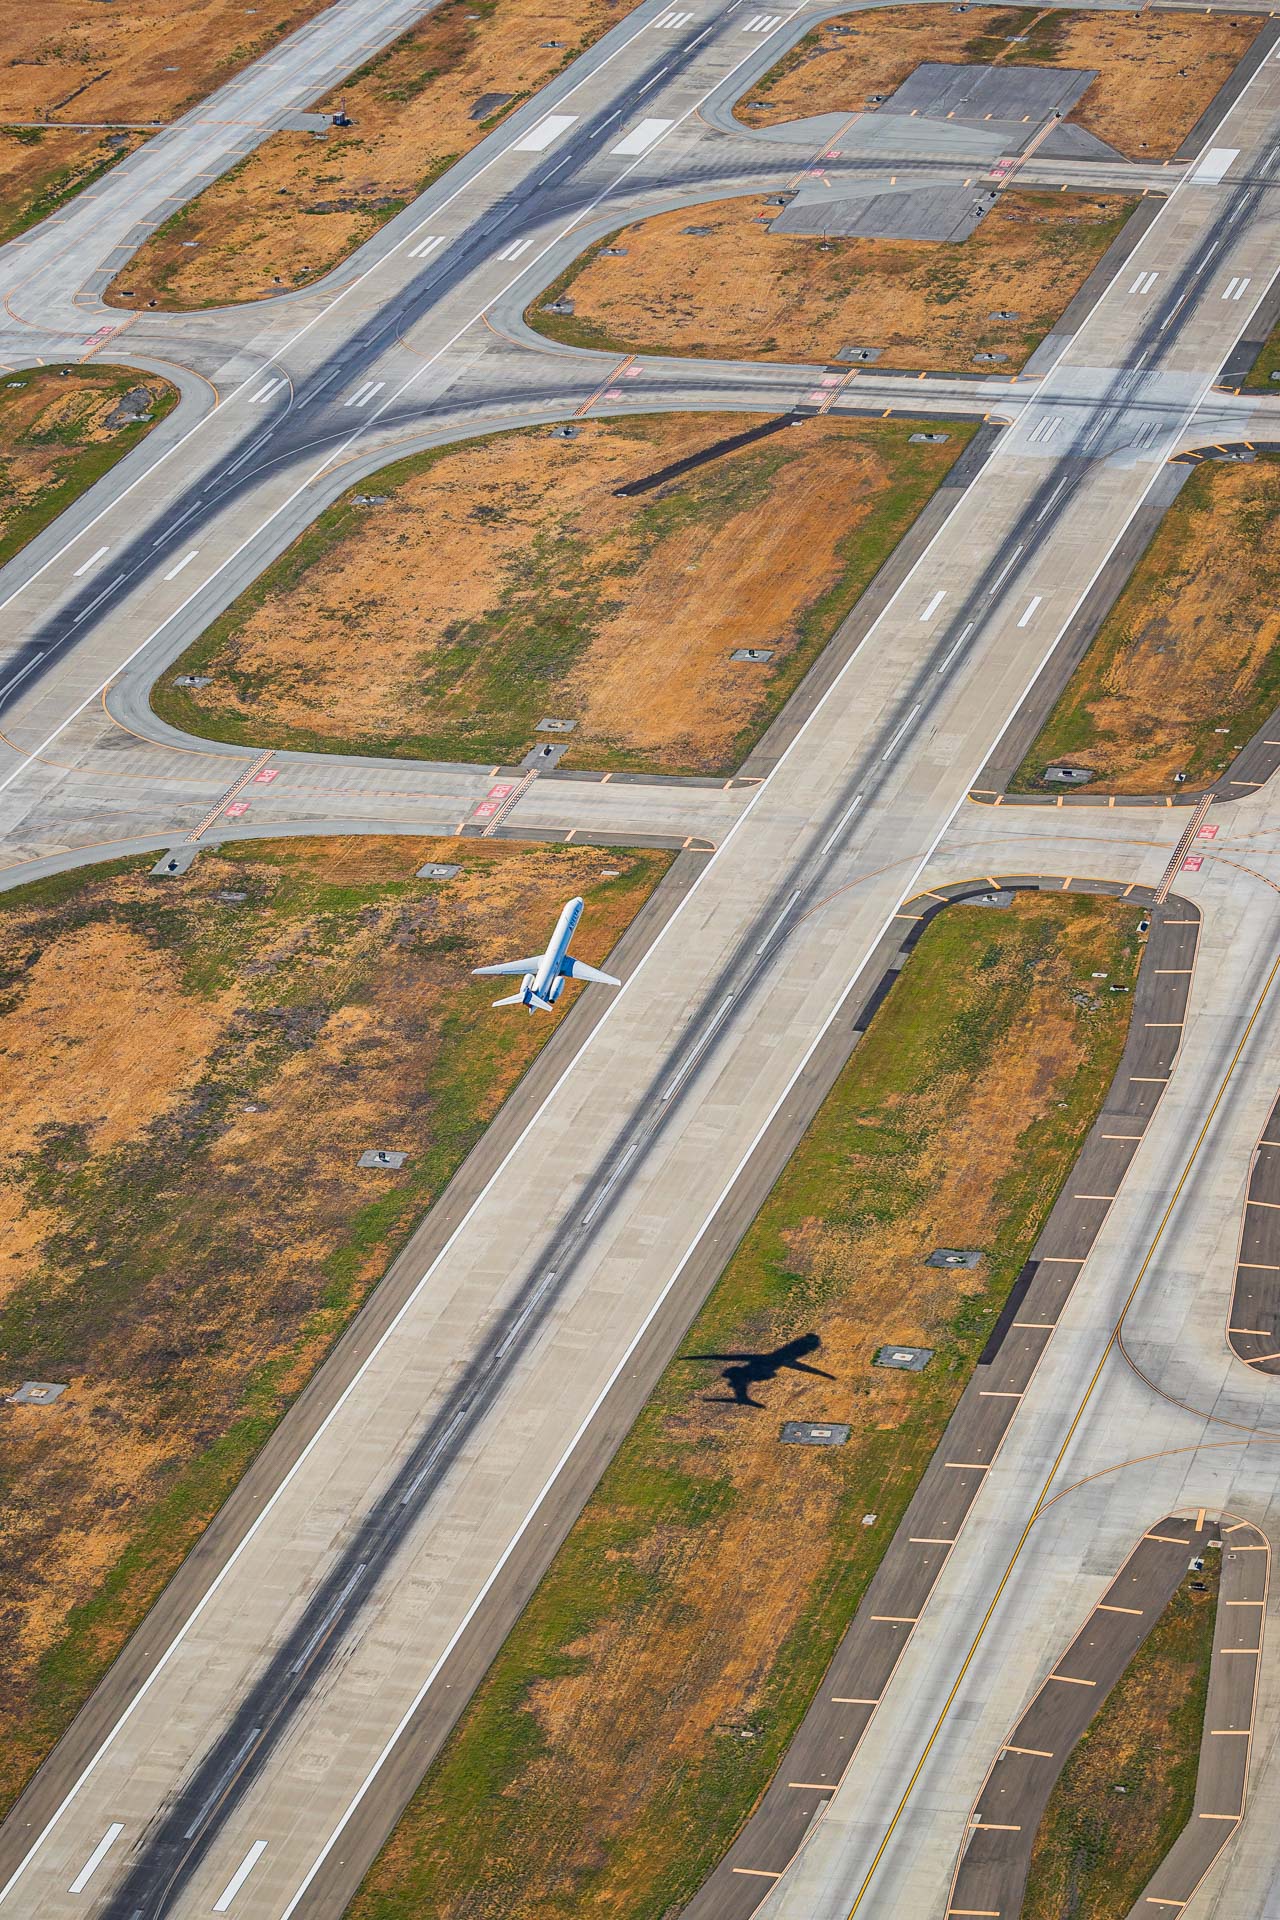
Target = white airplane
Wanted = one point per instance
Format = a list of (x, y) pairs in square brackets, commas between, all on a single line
[(546, 973)]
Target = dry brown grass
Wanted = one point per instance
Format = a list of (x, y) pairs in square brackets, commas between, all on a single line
[(187, 1086), (133, 61), (1156, 72), (645, 1695), (505, 581), (1186, 666), (742, 292), (298, 205)]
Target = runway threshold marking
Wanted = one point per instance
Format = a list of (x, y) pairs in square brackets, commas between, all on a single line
[(96, 1858), (239, 1877)]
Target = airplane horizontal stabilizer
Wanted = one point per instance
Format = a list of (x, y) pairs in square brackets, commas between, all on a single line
[(513, 966), (579, 970), (512, 1000)]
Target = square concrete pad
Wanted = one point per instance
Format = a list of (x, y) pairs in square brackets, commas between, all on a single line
[(1021, 97)]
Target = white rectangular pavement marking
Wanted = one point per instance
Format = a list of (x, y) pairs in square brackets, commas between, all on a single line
[(1030, 610), (96, 1858), (641, 137), (1213, 166), (517, 247), (239, 1877), (185, 561), (92, 561), (424, 247), (934, 604), (540, 137)]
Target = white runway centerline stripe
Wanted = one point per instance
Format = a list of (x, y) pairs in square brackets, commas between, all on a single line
[(265, 393), (896, 741), (641, 137), (540, 137), (517, 247), (424, 247), (92, 561), (185, 561), (96, 1858), (934, 604), (239, 1877), (1030, 610)]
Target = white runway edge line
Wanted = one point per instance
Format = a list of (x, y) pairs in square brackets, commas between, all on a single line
[(180, 1636), (343, 293), (337, 454), (239, 1877), (96, 1858)]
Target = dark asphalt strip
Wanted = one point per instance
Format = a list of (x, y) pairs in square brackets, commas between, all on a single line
[(178, 1840)]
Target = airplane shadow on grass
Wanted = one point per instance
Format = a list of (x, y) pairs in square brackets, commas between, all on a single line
[(750, 1369)]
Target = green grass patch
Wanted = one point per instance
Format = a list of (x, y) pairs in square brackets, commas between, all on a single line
[(84, 463), (1127, 1790), (519, 1814)]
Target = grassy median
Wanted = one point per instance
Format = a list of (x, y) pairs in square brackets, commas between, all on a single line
[(193, 1067), (714, 280), (493, 584), (1126, 1793), (644, 1698), (1186, 666)]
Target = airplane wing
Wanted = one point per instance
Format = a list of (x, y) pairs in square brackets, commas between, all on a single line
[(579, 970), (530, 965)]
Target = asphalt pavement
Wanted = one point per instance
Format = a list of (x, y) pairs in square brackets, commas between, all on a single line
[(253, 1746)]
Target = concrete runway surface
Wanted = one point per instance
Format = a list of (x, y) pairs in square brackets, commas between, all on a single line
[(254, 1744)]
